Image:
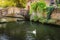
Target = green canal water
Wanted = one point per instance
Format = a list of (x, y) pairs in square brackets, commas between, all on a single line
[(25, 30)]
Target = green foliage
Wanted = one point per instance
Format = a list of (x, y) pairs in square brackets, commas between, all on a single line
[(8, 3), (33, 7), (41, 5), (58, 3), (20, 3), (37, 7), (35, 18), (49, 10), (42, 20)]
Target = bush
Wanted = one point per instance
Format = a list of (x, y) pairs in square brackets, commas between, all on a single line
[(38, 8)]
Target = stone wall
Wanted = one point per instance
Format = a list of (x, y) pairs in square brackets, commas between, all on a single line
[(56, 16), (13, 11), (19, 13)]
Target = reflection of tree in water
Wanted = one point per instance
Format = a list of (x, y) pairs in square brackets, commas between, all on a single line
[(25, 31), (2, 27), (19, 30), (45, 32)]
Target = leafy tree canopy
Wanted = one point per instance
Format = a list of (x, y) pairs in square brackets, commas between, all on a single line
[(8, 3)]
